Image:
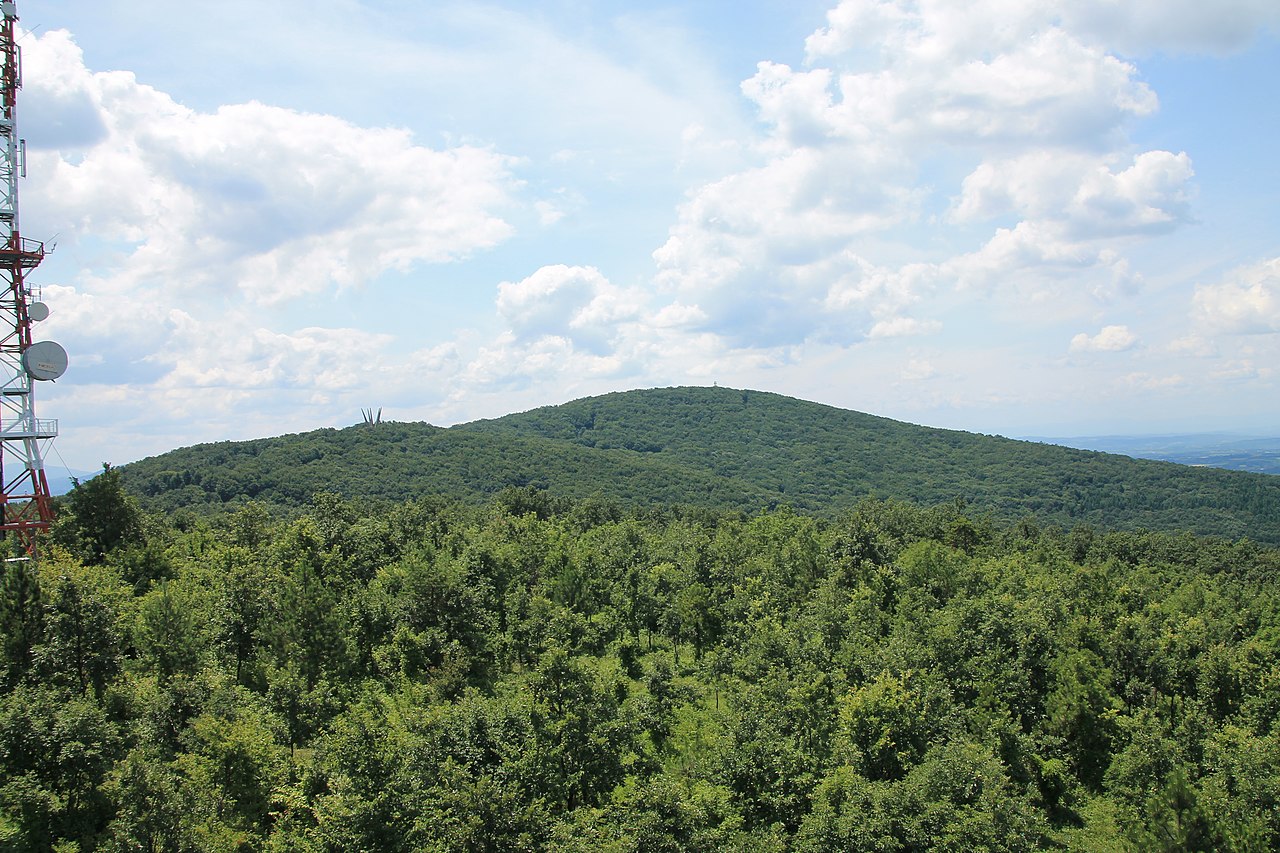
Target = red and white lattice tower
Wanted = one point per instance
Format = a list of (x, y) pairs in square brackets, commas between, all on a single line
[(25, 507)]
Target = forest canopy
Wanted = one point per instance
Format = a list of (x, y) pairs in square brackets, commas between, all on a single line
[(544, 673), (719, 448)]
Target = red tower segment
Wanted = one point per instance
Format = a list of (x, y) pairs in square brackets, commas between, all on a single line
[(25, 505)]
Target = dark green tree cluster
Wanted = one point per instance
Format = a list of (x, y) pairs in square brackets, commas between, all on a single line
[(551, 675), (718, 448)]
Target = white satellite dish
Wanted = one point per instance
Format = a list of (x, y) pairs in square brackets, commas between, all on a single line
[(38, 311), (44, 360)]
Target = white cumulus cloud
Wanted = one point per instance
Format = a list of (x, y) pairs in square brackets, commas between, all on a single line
[(577, 304), (1080, 194), (837, 232), (1247, 303), (1110, 339), (270, 201)]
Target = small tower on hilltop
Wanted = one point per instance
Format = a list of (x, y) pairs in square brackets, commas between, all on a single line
[(25, 506)]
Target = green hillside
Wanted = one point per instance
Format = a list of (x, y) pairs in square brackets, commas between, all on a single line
[(720, 448), (400, 461), (533, 673)]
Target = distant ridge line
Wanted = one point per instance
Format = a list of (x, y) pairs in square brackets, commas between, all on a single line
[(721, 448)]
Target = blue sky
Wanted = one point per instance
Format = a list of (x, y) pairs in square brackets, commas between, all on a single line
[(1016, 218)]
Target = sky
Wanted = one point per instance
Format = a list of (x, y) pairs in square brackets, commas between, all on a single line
[(1013, 217)]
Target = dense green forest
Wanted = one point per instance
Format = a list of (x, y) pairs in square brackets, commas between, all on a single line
[(540, 673), (718, 448)]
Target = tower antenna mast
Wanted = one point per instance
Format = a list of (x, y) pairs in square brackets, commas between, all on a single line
[(25, 504)]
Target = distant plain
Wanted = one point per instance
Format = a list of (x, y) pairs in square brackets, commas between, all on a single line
[(1259, 454)]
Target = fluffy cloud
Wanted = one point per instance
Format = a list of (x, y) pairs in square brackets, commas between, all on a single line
[(1080, 194), (898, 327), (810, 244), (1074, 208), (990, 72), (1110, 339), (1246, 304), (758, 252), (270, 201), (206, 354), (1134, 27), (577, 304), (1146, 382)]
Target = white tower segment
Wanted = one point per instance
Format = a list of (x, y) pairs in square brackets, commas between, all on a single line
[(25, 506)]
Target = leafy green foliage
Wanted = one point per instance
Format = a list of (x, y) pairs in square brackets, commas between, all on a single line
[(718, 448), (100, 517), (539, 673)]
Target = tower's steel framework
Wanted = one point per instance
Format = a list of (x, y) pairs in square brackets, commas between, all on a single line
[(25, 506)]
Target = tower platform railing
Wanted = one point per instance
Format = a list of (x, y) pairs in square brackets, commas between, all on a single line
[(30, 428), (27, 253)]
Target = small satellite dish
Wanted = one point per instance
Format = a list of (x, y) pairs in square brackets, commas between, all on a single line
[(38, 311), (44, 360)]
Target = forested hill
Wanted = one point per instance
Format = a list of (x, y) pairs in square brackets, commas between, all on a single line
[(723, 449)]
